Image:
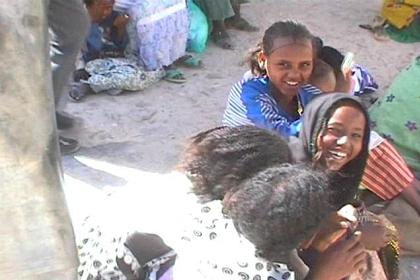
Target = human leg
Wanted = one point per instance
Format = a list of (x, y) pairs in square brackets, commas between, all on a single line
[(217, 11), (237, 21), (68, 24)]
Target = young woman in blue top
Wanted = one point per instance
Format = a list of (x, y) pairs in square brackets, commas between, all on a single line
[(267, 97), (283, 62)]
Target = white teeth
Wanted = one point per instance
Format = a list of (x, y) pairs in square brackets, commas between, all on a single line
[(292, 83), (339, 154)]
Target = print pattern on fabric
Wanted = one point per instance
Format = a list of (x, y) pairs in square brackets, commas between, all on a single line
[(119, 73)]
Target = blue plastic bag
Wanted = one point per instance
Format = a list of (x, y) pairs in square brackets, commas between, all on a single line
[(199, 29)]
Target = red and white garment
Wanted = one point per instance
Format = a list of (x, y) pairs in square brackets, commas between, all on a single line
[(386, 173)]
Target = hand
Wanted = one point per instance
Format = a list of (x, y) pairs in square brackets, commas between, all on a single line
[(80, 74), (375, 235), (332, 229), (121, 21), (340, 260)]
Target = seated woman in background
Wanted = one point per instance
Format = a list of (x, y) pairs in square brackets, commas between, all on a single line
[(158, 34), (103, 66), (221, 15)]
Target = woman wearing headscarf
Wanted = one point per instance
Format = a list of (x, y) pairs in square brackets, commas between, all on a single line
[(347, 156), (335, 137)]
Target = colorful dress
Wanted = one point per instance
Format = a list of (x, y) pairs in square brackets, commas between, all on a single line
[(396, 115), (205, 242)]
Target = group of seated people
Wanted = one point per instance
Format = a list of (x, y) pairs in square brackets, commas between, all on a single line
[(151, 37), (273, 185)]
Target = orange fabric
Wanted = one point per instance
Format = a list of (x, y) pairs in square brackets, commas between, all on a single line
[(386, 173)]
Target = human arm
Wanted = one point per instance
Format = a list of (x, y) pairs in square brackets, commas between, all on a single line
[(297, 265), (119, 24), (262, 109), (375, 234), (340, 260), (93, 45)]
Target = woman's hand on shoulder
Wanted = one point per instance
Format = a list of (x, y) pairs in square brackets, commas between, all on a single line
[(341, 259)]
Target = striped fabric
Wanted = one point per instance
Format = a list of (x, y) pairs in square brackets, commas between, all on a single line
[(363, 81), (250, 103), (308, 92), (235, 113), (386, 173)]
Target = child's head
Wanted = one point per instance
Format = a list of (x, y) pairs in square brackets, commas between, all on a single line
[(323, 77), (219, 159), (99, 9), (285, 56), (334, 58), (279, 208)]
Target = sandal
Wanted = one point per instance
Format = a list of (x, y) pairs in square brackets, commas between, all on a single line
[(240, 23), (174, 76), (222, 40), (189, 61), (76, 93)]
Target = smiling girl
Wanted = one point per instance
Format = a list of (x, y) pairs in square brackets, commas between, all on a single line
[(267, 95), (335, 137)]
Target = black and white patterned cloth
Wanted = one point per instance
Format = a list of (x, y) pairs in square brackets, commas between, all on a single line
[(206, 243)]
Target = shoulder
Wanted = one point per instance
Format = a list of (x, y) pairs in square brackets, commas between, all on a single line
[(256, 86)]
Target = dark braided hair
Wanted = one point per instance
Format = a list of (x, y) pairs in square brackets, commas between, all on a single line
[(279, 208), (217, 160), (281, 29)]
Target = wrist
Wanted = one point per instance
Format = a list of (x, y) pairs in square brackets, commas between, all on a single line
[(316, 274)]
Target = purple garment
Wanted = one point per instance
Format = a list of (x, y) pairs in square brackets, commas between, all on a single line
[(168, 275), (161, 31)]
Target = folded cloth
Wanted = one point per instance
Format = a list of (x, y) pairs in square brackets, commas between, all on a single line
[(119, 74)]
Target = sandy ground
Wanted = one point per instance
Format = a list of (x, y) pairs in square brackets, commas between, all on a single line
[(146, 130)]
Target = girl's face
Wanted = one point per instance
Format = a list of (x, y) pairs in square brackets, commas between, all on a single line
[(290, 65), (342, 139)]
